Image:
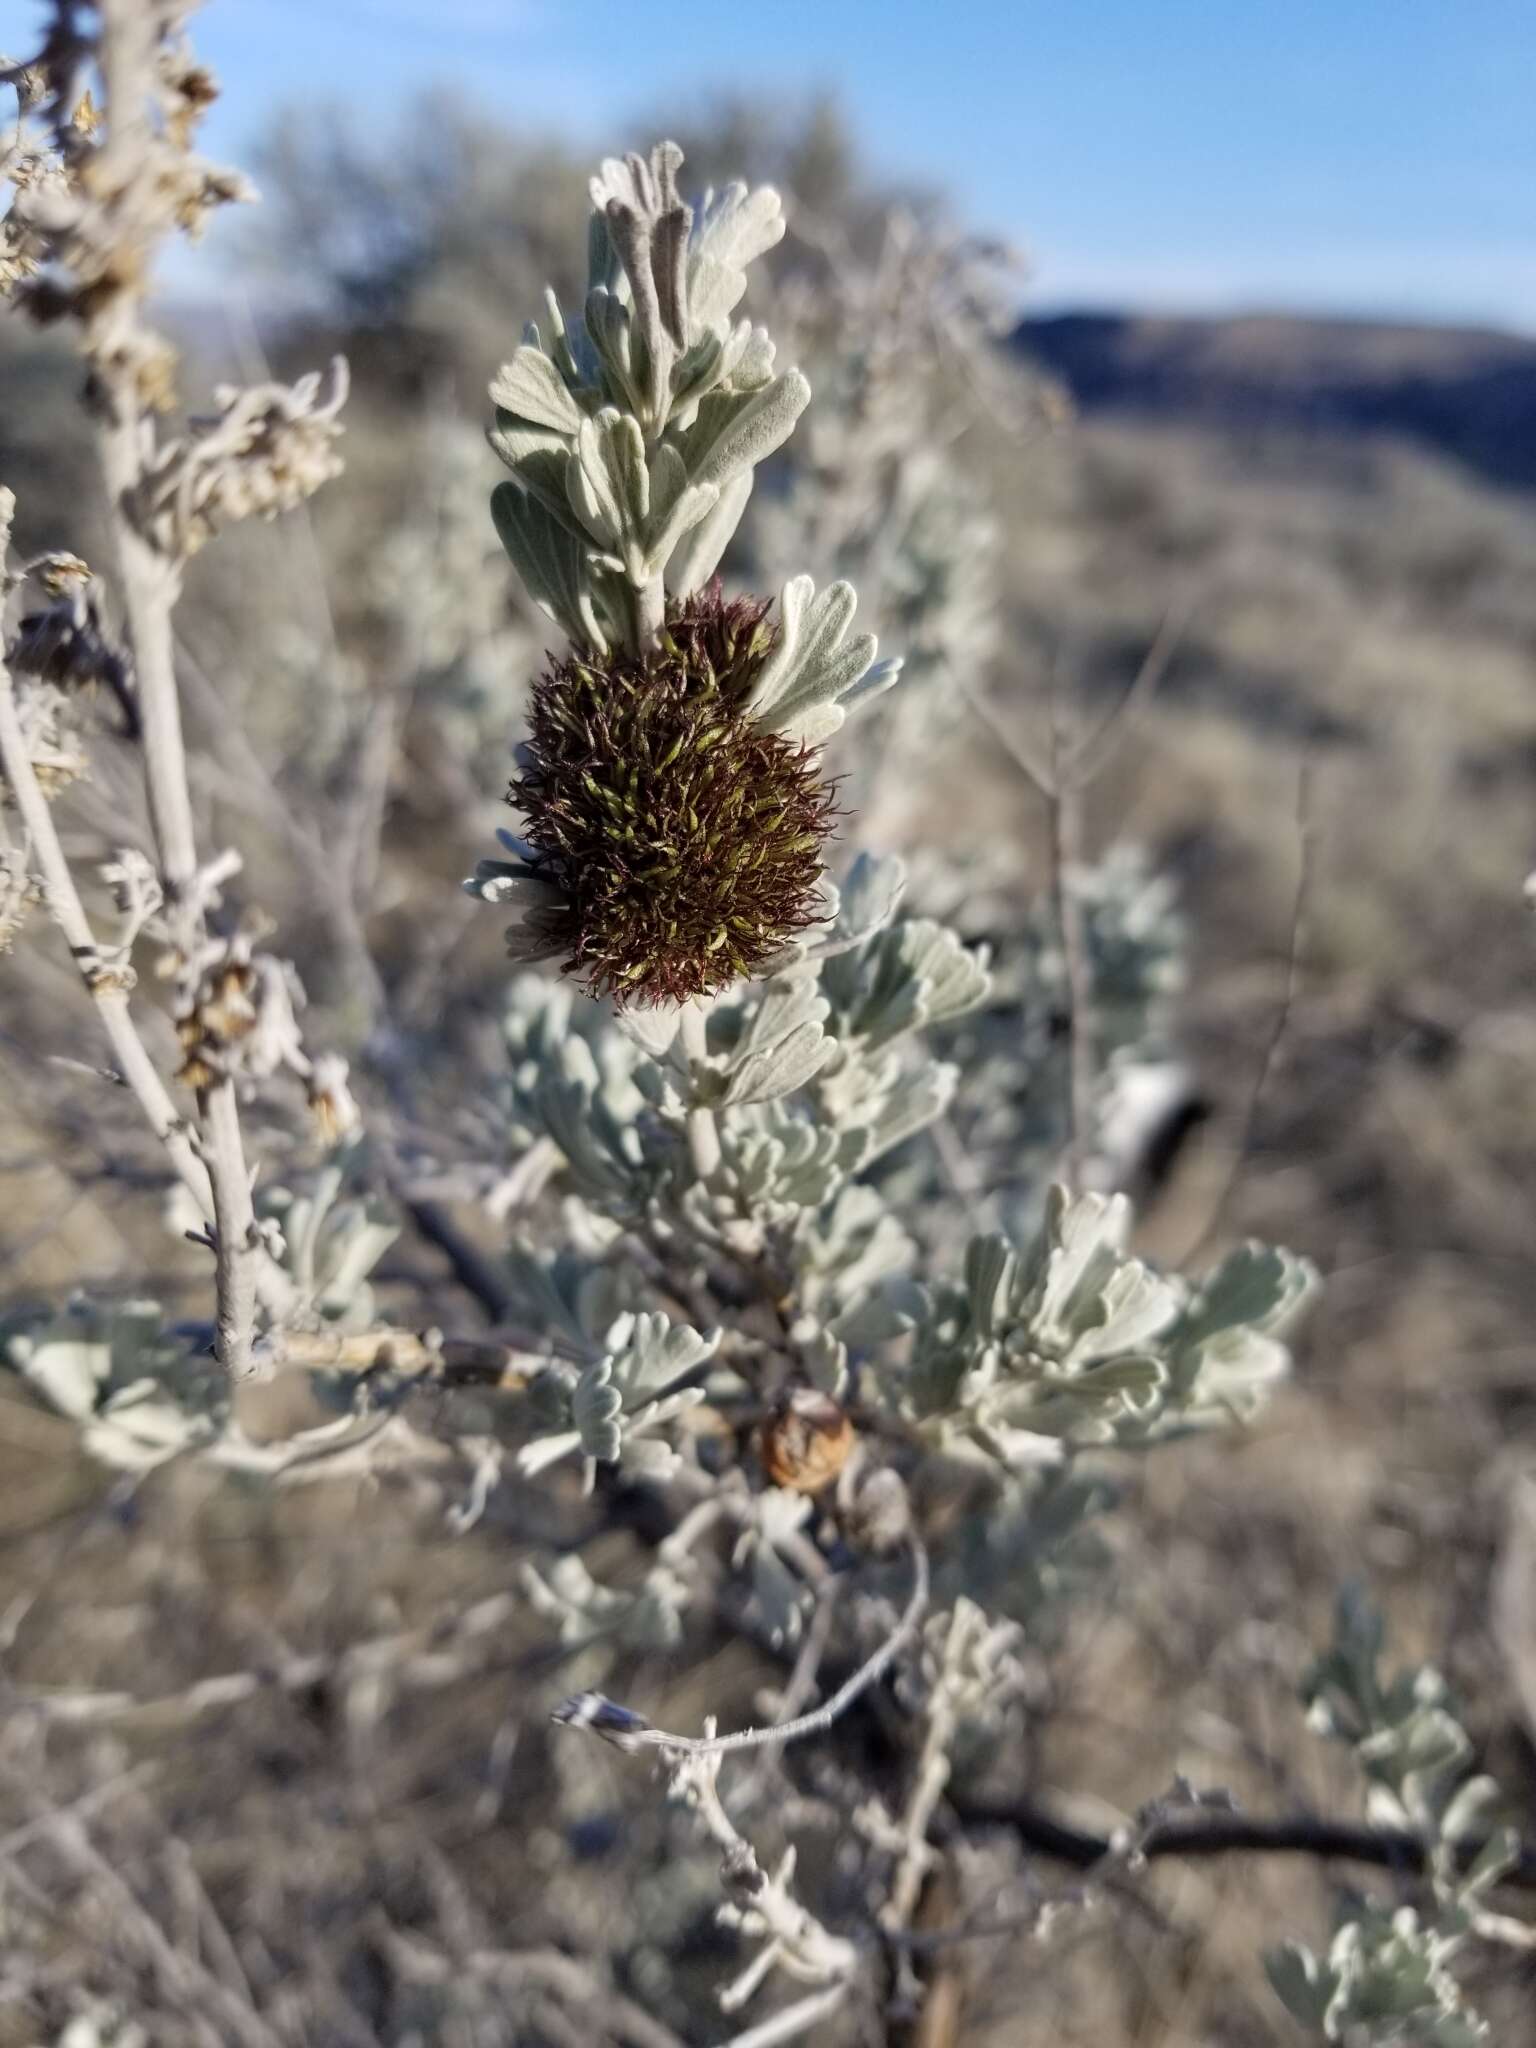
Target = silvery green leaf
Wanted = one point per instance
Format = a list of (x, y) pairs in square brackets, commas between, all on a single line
[(1302, 1982), (942, 1352), (988, 1261), (607, 480), (650, 1354), (534, 901), (781, 1068), (550, 561), (69, 1372), (652, 1028), (139, 1390), (698, 552), (141, 1427), (825, 1360), (1498, 1856), (541, 474), (566, 1296), (953, 977), (888, 1313), (1131, 1308), (596, 1405), (603, 266), (599, 1142), (902, 979), (1080, 1247), (780, 1599), (750, 366), (782, 1161), (919, 1094), (1223, 1353), (1019, 1450), (1425, 1746), (359, 1233), (570, 346), (740, 360), (648, 227), (815, 726), (699, 370), (1255, 1285), (868, 899), (1131, 1378), (1387, 1985), (609, 327), (532, 389), (1473, 1812), (585, 1611), (1229, 1377), (676, 508), (732, 228), (853, 1246), (507, 882), (783, 1003), (813, 662), (734, 431), (639, 512), (548, 1398), (783, 1045), (532, 453)]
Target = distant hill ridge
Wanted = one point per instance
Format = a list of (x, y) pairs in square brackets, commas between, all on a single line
[(1468, 392)]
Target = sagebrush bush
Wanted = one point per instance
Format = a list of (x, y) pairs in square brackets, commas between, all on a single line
[(731, 1307)]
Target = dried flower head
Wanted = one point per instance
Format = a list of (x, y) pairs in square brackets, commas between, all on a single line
[(53, 746), (18, 893), (222, 1014), (264, 452), (236, 1015), (684, 839), (806, 1441)]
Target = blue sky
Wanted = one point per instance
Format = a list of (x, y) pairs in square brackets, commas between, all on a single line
[(1358, 156)]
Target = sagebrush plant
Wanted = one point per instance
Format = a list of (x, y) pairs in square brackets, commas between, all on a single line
[(711, 1299)]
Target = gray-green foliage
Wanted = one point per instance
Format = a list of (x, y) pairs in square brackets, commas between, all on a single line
[(1385, 1978), (1070, 1340), (616, 1407), (139, 1390), (1030, 1353), (144, 1388), (648, 1617)]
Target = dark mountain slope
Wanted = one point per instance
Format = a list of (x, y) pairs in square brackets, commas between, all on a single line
[(1465, 392)]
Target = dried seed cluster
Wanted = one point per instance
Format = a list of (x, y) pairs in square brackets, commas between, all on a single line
[(222, 1014), (806, 1441), (686, 841)]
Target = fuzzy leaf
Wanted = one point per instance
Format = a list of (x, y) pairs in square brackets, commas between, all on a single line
[(531, 389), (987, 1262), (697, 555), (814, 662), (734, 227), (549, 560), (1302, 1982), (734, 431), (607, 479), (651, 1353)]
